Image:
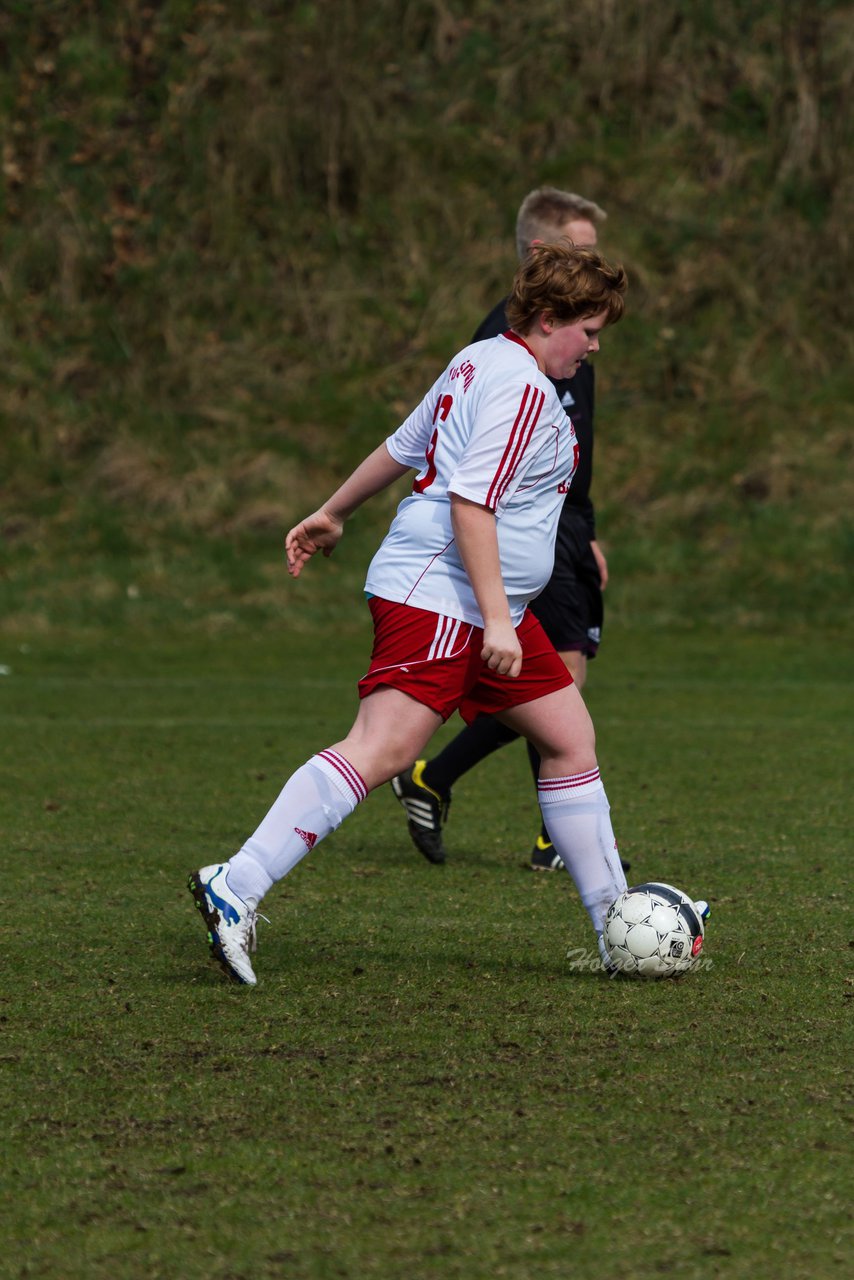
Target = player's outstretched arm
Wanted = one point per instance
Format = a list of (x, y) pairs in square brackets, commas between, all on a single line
[(322, 530)]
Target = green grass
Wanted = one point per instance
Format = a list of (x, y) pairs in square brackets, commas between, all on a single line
[(422, 1083), (216, 300)]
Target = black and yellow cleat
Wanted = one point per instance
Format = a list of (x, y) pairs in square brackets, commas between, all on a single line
[(426, 811), (543, 856)]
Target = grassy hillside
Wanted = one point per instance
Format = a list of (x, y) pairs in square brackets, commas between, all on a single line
[(239, 240)]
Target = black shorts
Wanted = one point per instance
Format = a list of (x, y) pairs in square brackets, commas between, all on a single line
[(570, 605)]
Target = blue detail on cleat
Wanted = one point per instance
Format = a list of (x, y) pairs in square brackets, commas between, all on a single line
[(226, 910), (230, 922)]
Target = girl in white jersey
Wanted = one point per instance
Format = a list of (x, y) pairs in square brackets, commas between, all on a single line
[(449, 587)]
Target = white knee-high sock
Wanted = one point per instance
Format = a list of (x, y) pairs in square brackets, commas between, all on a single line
[(577, 815), (314, 801)]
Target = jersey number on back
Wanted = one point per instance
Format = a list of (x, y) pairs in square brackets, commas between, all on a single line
[(443, 408)]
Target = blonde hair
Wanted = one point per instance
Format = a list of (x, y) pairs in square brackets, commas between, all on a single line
[(566, 282), (544, 213)]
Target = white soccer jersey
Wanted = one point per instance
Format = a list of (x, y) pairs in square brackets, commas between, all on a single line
[(492, 430)]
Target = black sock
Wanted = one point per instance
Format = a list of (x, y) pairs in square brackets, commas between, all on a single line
[(534, 759), (471, 745)]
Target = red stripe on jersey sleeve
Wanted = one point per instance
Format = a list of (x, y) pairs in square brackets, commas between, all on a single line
[(520, 437)]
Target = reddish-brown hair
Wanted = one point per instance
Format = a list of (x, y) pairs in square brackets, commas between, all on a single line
[(566, 282)]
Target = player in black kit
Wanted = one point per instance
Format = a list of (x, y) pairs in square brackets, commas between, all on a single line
[(570, 607)]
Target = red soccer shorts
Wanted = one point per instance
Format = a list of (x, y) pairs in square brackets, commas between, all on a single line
[(436, 660)]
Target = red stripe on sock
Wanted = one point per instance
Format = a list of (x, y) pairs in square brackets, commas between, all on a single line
[(575, 780), (350, 775)]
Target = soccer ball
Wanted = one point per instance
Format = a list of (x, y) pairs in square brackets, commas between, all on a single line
[(654, 931)]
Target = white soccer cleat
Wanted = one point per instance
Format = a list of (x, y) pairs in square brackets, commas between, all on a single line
[(230, 922)]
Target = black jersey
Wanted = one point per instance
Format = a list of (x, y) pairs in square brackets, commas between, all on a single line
[(576, 396)]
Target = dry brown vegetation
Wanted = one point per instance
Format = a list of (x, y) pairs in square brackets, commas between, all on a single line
[(239, 240)]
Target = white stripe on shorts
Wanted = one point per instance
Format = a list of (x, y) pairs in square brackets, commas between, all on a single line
[(447, 630)]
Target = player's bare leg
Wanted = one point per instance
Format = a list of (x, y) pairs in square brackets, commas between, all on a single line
[(390, 730), (572, 799), (576, 664), (560, 727)]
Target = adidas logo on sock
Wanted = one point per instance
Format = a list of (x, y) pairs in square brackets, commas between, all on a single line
[(308, 836)]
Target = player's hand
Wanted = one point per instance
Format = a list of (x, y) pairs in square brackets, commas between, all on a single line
[(318, 532), (601, 563), (501, 650)]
